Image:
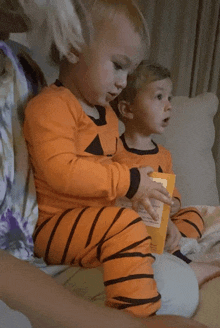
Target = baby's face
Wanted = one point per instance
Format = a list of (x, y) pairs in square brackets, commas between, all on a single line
[(151, 108), (103, 67)]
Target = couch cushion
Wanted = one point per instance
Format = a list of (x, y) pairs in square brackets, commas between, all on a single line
[(190, 137)]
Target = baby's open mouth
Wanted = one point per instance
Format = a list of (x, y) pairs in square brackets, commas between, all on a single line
[(166, 119)]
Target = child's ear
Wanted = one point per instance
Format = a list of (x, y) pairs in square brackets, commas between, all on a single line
[(73, 56), (124, 108)]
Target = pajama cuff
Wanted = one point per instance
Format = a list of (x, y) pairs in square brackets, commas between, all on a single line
[(134, 182), (178, 200), (182, 257)]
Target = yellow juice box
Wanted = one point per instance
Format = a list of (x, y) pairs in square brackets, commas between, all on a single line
[(157, 229)]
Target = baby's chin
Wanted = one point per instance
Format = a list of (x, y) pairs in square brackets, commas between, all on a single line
[(103, 104), (100, 102), (158, 129), (163, 128)]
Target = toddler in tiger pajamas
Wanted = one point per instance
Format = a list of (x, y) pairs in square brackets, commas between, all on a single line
[(72, 137), (144, 106)]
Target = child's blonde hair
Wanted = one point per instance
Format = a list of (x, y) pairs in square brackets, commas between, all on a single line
[(144, 74), (106, 9), (59, 26)]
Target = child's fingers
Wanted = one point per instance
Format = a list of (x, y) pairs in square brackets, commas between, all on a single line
[(158, 186), (156, 194), (147, 205), (135, 205), (173, 237), (149, 208), (146, 169), (171, 244)]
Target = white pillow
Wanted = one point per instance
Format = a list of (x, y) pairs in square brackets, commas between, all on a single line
[(190, 137)]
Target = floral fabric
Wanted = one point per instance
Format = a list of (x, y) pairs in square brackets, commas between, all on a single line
[(18, 206)]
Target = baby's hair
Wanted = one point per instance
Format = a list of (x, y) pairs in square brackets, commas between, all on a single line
[(61, 26), (106, 9), (57, 27), (144, 74), (97, 11)]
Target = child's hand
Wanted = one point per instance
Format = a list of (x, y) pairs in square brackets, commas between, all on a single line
[(149, 189), (175, 207), (173, 237)]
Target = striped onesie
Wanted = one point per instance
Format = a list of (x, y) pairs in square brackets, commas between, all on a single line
[(77, 183), (188, 220)]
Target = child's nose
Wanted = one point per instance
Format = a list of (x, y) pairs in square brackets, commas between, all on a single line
[(167, 106), (121, 82)]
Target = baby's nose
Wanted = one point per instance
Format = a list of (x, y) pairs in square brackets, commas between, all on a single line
[(121, 82), (167, 106)]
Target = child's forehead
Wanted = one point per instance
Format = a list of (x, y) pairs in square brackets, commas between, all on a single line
[(118, 36), (157, 85)]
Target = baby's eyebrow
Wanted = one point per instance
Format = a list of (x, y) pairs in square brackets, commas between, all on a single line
[(126, 60), (160, 89)]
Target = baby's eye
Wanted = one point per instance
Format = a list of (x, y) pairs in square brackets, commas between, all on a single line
[(117, 66), (170, 98), (160, 96)]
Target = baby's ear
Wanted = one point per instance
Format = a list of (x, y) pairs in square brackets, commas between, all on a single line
[(73, 56), (125, 111)]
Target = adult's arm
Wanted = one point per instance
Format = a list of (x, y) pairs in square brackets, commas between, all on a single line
[(49, 305)]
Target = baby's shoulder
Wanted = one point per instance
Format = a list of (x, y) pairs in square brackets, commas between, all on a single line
[(163, 150), (54, 100), (54, 93)]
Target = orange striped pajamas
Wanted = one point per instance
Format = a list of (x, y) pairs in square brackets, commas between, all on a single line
[(188, 220), (77, 184)]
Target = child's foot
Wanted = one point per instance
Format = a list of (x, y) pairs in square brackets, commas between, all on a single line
[(204, 271)]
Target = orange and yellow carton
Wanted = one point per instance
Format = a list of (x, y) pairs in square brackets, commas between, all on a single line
[(158, 229)]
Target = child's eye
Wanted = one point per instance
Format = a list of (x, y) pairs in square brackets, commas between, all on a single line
[(170, 98), (159, 96), (117, 66)]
